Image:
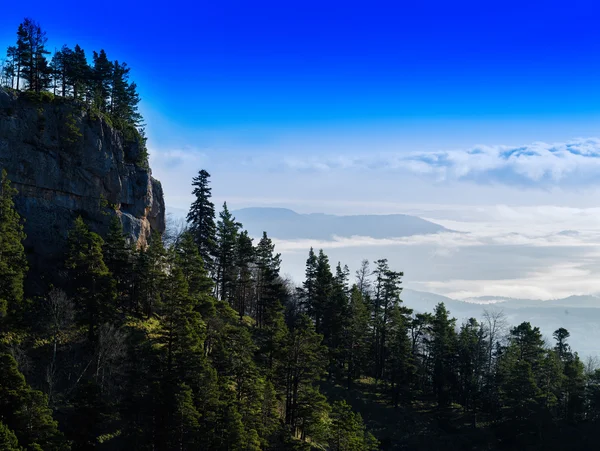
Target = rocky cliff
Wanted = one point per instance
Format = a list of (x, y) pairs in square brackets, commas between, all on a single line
[(66, 160)]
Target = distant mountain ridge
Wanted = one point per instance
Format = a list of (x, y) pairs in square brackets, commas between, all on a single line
[(284, 223)]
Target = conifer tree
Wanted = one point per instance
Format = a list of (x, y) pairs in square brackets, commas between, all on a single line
[(34, 66), (309, 285), (323, 291), (244, 260), (102, 77), (201, 219), (92, 286), (60, 67), (9, 72), (13, 264), (348, 432), (25, 411), (443, 352), (149, 276), (227, 235), (400, 366), (8, 439), (304, 364), (356, 336), (191, 264), (78, 72), (118, 259), (21, 54), (268, 286)]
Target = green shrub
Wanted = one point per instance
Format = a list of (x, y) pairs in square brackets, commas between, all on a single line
[(72, 133), (46, 97), (38, 97)]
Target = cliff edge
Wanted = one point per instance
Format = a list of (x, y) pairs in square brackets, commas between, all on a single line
[(66, 160)]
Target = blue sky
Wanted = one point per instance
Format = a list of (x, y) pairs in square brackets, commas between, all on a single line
[(249, 86), (481, 116)]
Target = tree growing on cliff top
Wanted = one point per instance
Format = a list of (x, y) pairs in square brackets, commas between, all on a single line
[(32, 45)]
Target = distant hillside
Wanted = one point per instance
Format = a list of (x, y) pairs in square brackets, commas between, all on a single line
[(287, 224), (580, 315)]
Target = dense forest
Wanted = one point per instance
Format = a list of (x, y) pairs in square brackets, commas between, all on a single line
[(197, 342)]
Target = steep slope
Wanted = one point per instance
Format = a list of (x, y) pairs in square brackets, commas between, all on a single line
[(66, 161), (286, 224)]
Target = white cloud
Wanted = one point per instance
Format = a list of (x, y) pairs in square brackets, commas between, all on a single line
[(576, 162)]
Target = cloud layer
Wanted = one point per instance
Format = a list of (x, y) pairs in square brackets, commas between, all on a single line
[(539, 164)]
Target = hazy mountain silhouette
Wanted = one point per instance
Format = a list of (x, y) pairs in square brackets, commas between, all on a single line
[(283, 223)]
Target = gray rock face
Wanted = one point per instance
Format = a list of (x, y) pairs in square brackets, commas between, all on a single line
[(65, 162)]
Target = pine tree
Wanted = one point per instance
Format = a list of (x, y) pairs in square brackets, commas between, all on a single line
[(78, 72), (348, 432), (309, 285), (304, 364), (34, 66), (182, 327), (386, 296), (356, 336), (8, 439), (13, 264), (60, 67), (191, 264), (201, 219), (9, 72), (244, 260), (400, 366), (124, 98), (25, 411), (149, 276), (227, 235), (21, 53), (471, 357), (102, 77), (92, 286), (443, 353), (119, 260), (362, 278), (323, 291), (268, 287)]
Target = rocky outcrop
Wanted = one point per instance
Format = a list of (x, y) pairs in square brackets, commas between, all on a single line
[(65, 161)]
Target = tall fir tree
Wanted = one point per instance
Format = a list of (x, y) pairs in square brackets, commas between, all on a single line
[(201, 219), (227, 236)]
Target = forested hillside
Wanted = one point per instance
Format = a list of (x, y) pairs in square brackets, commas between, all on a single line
[(196, 342)]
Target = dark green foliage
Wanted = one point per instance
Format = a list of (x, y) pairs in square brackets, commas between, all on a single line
[(227, 232), (200, 344), (118, 258), (13, 264), (8, 439), (25, 411), (102, 87), (348, 431), (92, 286), (33, 64), (201, 219)]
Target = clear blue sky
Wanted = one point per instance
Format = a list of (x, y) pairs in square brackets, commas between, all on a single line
[(307, 77)]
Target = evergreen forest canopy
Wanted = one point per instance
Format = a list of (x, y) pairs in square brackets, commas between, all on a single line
[(102, 85), (197, 342)]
